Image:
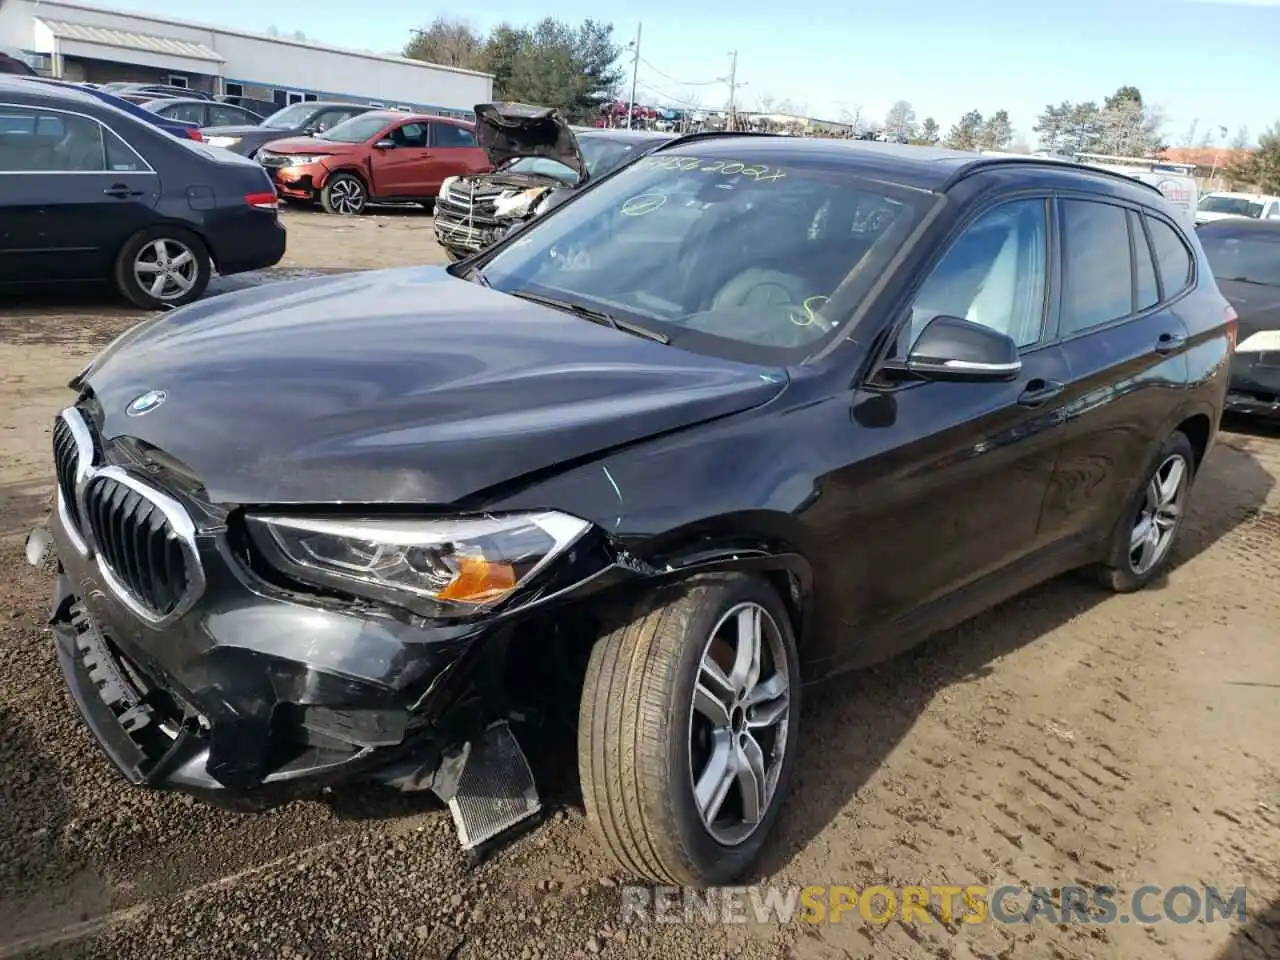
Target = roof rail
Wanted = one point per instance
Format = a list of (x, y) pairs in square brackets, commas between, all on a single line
[(1049, 163)]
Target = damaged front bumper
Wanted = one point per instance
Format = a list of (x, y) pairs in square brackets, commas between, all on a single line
[(245, 692)]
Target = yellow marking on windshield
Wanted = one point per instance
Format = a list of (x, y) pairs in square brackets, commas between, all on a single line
[(810, 308), (725, 168), (638, 206)]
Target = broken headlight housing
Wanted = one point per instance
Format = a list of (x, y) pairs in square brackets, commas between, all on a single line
[(447, 567)]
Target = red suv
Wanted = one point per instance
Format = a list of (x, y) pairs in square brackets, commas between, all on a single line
[(377, 156)]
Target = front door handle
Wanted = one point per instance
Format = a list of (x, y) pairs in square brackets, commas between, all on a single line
[(1170, 342), (121, 192), (1039, 390)]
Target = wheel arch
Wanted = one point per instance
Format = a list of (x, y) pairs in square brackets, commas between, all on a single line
[(767, 543), (346, 167)]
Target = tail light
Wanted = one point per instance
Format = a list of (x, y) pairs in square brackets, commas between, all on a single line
[(263, 201), (1233, 326), (194, 134)]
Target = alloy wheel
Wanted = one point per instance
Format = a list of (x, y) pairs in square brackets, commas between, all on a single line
[(166, 269), (738, 724), (347, 196), (1159, 515)]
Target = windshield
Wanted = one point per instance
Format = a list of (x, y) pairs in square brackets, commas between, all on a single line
[(599, 154), (717, 244), (290, 118), (1254, 256), (1240, 206), (356, 130)]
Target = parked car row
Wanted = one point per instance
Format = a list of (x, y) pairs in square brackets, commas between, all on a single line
[(96, 191)]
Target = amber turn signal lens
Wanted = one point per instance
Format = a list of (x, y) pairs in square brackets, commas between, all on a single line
[(479, 580)]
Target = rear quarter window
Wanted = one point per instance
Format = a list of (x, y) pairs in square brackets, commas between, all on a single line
[(1173, 259)]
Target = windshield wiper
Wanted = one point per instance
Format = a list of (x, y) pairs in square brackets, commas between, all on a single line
[(595, 316)]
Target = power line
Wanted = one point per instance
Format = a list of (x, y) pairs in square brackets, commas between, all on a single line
[(682, 83)]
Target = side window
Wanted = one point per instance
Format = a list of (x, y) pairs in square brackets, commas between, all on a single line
[(328, 119), (120, 157), (448, 135), (1144, 267), (190, 112), (1172, 257), (39, 141), (221, 115), (994, 274), (1097, 282), (410, 135)]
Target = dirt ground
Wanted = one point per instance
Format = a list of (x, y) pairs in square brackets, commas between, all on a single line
[(1068, 737)]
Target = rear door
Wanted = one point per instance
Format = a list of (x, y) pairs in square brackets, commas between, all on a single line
[(1125, 349), (454, 152), (72, 192), (402, 170)]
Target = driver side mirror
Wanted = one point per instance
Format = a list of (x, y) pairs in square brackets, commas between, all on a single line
[(959, 350), (384, 145)]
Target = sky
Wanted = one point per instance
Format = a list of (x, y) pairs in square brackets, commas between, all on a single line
[(1211, 61)]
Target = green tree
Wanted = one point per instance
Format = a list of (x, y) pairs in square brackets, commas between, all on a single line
[(929, 134), (450, 43), (965, 134), (1051, 127), (1260, 168), (996, 132)]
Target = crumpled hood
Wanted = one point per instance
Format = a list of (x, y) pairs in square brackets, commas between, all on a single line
[(511, 131), (407, 386), (310, 145)]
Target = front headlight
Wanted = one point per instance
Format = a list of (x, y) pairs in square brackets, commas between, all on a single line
[(514, 203), (445, 567), (303, 159)]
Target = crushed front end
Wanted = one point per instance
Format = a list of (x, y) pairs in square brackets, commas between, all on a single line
[(199, 668), (472, 213)]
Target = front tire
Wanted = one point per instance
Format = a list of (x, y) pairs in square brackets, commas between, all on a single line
[(1148, 529), (163, 266), (688, 731), (344, 195)]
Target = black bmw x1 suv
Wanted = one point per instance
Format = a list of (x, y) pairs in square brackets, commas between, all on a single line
[(745, 414)]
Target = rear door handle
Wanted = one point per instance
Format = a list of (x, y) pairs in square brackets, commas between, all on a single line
[(1170, 342), (121, 192), (1039, 390)]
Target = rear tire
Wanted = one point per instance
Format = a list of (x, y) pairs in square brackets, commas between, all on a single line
[(648, 746), (344, 195), (1148, 528), (166, 266)]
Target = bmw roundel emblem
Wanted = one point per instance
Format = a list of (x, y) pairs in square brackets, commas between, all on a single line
[(145, 403)]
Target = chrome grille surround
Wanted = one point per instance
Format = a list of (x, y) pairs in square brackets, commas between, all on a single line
[(164, 514)]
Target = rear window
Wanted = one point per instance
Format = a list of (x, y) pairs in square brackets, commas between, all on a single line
[(728, 252), (1172, 257), (1237, 206), (1253, 257)]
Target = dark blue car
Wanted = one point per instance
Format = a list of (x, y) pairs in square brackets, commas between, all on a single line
[(179, 128)]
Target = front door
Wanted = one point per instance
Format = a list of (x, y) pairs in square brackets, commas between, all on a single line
[(942, 482), (72, 192), (402, 169), (1125, 350)]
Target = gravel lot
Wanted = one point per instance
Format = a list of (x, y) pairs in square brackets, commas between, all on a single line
[(1067, 737)]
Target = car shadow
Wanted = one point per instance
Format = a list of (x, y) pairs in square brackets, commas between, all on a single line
[(48, 884), (373, 210), (1258, 938), (1251, 426), (853, 722)]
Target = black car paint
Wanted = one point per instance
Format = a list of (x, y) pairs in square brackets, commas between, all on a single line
[(71, 226), (1255, 375), (251, 138), (885, 509)]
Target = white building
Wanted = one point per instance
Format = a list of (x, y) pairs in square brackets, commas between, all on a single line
[(78, 42)]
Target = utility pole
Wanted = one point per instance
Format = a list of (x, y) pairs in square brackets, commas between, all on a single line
[(733, 89), (635, 70)]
